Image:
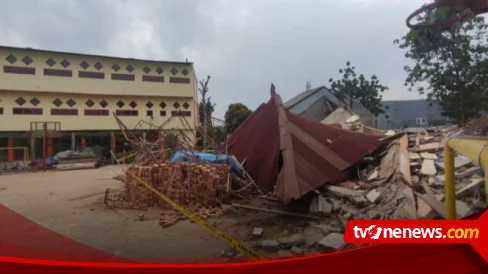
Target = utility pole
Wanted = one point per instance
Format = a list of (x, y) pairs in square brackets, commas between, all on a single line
[(204, 90)]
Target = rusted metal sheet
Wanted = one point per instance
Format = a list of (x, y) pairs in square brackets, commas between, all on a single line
[(292, 155)]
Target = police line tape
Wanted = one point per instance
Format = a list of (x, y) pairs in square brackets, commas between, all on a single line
[(237, 245)]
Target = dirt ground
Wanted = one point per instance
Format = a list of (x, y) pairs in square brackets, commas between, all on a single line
[(71, 203)]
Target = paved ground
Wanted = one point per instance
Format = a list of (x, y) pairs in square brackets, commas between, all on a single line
[(70, 203)]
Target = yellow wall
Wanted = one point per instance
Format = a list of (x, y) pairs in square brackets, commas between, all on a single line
[(41, 83), (11, 122), (48, 88)]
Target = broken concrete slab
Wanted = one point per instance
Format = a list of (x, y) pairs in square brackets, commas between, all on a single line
[(290, 241), (269, 245), (424, 211), (355, 196), (332, 241), (459, 161), (462, 209), (296, 250), (373, 195), (467, 173), (342, 191), (320, 205), (414, 156), (470, 188), (312, 237), (257, 232), (415, 179), (434, 203), (428, 168), (373, 175), (430, 156), (430, 147)]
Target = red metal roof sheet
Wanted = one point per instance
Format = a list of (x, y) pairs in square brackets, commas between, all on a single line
[(293, 155)]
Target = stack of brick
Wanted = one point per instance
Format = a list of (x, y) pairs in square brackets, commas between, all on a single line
[(191, 185)]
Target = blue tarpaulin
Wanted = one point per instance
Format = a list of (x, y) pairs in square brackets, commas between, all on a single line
[(189, 156)]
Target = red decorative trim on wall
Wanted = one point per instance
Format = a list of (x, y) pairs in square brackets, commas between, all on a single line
[(64, 111), (125, 77), (149, 78), (58, 72), (18, 70), (91, 74), (96, 112), (179, 80), (120, 112), (27, 111)]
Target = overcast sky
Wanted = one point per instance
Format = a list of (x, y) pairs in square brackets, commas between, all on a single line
[(243, 44)]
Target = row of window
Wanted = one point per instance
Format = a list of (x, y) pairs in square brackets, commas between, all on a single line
[(89, 103), (93, 112), (11, 59), (94, 75)]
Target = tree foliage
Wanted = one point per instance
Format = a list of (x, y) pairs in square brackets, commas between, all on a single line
[(352, 88), (235, 115), (210, 108), (450, 64)]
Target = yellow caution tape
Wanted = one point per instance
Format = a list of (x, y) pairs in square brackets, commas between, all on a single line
[(237, 245), (123, 158)]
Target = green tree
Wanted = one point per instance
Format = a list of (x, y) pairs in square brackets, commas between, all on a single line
[(210, 108), (450, 64), (352, 88), (235, 115)]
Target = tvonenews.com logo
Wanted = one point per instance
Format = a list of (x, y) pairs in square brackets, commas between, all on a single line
[(377, 232)]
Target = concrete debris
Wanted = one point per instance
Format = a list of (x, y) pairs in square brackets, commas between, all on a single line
[(415, 179), (414, 156), (373, 195), (373, 175), (428, 168), (470, 188), (459, 161), (292, 240), (467, 173), (390, 133), (429, 156), (332, 241), (462, 209), (296, 250), (312, 237), (257, 232), (431, 147), (271, 245), (320, 205)]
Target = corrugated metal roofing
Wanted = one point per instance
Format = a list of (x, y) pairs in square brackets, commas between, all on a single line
[(292, 155)]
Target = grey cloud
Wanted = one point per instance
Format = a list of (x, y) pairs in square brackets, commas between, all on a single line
[(244, 45)]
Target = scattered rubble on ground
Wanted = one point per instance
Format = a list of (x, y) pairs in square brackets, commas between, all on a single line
[(329, 173)]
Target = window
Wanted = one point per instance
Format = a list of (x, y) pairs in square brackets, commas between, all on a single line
[(149, 113), (96, 112), (64, 111), (181, 113), (27, 111), (421, 121), (127, 112), (1, 111), (162, 113)]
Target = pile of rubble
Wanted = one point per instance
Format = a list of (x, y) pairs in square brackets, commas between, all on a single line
[(191, 185), (322, 174)]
